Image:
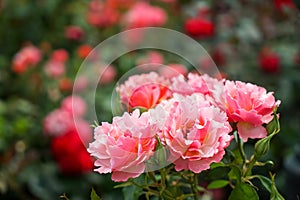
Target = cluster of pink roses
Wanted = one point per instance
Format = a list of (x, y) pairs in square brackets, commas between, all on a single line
[(191, 118)]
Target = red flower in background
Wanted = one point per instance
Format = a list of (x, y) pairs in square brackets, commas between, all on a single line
[(199, 27), (74, 33), (84, 50), (282, 4), (60, 55), (65, 84), (70, 154), (269, 61)]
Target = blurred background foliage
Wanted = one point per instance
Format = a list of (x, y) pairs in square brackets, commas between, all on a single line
[(249, 40)]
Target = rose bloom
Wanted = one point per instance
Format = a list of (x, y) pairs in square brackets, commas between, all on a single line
[(65, 84), (151, 57), (74, 33), (283, 4), (75, 105), (199, 27), (101, 15), (144, 90), (58, 122), (195, 131), (70, 154), (143, 14), (60, 55), (269, 61), (26, 57), (250, 106), (108, 75), (121, 148), (173, 70), (196, 83), (81, 83), (54, 69), (84, 50)]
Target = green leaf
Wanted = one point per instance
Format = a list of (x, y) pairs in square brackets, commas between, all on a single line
[(215, 165), (94, 195), (217, 184), (218, 173), (243, 191), (132, 192), (235, 173)]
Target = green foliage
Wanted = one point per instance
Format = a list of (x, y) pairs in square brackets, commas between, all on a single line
[(243, 191), (94, 195)]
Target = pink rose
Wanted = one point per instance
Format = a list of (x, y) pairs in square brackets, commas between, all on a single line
[(144, 90), (75, 105), (58, 122), (250, 106), (101, 15), (196, 83), (27, 57), (195, 131), (151, 57), (121, 148), (54, 69), (108, 75), (143, 14), (173, 70)]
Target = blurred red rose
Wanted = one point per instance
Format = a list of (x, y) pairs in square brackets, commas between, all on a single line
[(60, 55), (282, 4), (70, 154), (269, 61), (74, 33), (84, 50), (65, 84), (199, 27)]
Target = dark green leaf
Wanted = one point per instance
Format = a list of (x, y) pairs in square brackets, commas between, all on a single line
[(235, 173), (215, 165), (94, 195), (217, 184), (243, 191), (132, 192), (218, 173)]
